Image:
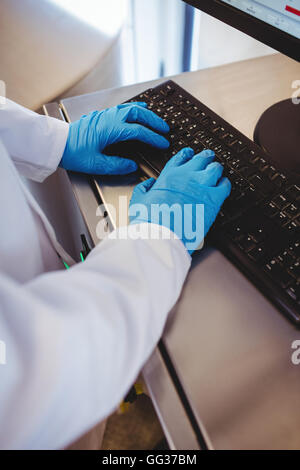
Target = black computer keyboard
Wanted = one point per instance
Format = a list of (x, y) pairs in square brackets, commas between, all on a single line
[(258, 228)]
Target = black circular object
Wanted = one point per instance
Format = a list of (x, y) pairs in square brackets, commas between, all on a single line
[(278, 133)]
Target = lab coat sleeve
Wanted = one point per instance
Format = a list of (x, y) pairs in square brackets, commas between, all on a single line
[(35, 142), (76, 340)]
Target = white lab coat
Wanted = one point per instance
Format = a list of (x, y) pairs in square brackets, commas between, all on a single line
[(75, 340)]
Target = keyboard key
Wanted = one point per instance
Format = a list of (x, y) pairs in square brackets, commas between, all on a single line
[(271, 173), (294, 270), (271, 188), (215, 128), (293, 193), (292, 210), (241, 147), (286, 259), (253, 158), (270, 210), (233, 143), (235, 232), (294, 291), (278, 273), (280, 181), (246, 244), (206, 121), (193, 128), (263, 165), (222, 218), (258, 253), (213, 125), (234, 163), (293, 228), (225, 156), (259, 227), (281, 201), (247, 171), (194, 111), (281, 218), (258, 183), (217, 148), (170, 90), (294, 249), (219, 131), (259, 233), (242, 184)]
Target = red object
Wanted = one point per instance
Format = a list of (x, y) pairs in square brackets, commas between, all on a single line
[(292, 10)]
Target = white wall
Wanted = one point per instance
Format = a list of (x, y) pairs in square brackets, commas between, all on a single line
[(216, 43), (158, 27)]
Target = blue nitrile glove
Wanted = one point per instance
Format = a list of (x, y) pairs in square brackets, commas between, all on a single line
[(89, 137), (187, 181)]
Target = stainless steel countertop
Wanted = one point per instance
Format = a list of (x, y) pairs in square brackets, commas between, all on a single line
[(230, 347)]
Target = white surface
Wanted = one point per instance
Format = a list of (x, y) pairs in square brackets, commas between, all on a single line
[(44, 50), (75, 340), (108, 17)]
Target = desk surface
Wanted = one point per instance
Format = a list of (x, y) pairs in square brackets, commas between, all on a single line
[(229, 346)]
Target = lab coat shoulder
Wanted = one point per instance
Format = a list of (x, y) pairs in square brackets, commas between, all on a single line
[(35, 142), (77, 339)]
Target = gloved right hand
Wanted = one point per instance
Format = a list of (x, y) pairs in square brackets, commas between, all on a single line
[(187, 180)]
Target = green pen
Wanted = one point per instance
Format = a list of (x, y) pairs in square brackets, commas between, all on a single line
[(83, 254)]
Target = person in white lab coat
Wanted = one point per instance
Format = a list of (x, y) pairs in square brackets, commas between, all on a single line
[(77, 339)]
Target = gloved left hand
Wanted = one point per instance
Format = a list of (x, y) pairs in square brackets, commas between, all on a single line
[(89, 137)]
